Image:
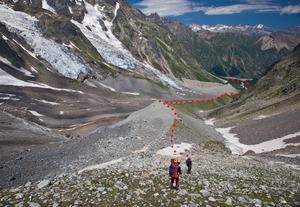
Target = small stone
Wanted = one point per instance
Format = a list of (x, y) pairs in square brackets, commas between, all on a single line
[(195, 195), (4, 198), (19, 204), (205, 193), (101, 189), (88, 182), (31, 204), (57, 195), (121, 186), (256, 202), (212, 199), (43, 183), (228, 202), (28, 184), (14, 190), (19, 196), (145, 174), (55, 205), (19, 158), (182, 192), (156, 194), (242, 199), (12, 178), (94, 182)]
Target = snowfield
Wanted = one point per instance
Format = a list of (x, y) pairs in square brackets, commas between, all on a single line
[(232, 142), (180, 148), (9, 80)]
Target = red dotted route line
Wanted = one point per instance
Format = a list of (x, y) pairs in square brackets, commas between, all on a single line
[(169, 104)]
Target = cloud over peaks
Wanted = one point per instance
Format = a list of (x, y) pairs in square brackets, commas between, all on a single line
[(180, 7)]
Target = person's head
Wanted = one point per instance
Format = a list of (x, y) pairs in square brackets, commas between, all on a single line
[(172, 160), (178, 161)]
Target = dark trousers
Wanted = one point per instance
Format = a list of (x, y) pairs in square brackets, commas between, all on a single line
[(177, 183), (189, 170)]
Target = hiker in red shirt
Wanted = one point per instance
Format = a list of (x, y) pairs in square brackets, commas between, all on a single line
[(174, 171)]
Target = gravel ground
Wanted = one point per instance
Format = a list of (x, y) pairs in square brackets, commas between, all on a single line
[(217, 179), (269, 128)]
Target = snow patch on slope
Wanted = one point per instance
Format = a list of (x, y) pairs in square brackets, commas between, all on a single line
[(46, 6), (7, 62), (180, 148), (232, 141), (9, 80)]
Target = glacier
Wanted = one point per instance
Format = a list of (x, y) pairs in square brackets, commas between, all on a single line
[(59, 56)]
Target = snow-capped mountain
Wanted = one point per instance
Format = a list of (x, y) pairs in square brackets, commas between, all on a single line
[(259, 29)]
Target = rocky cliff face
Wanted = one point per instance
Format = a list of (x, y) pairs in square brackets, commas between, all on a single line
[(282, 78)]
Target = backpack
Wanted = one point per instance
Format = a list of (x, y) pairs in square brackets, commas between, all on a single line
[(173, 170)]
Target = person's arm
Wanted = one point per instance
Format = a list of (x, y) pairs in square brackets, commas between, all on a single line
[(179, 170)]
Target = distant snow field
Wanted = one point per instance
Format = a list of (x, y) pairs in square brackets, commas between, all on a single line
[(35, 113), (288, 155), (100, 166), (48, 102), (232, 142), (24, 71), (263, 117), (210, 121), (9, 80), (131, 93)]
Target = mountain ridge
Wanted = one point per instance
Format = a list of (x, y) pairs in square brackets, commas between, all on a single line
[(259, 29)]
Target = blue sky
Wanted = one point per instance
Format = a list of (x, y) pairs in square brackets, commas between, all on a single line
[(278, 14)]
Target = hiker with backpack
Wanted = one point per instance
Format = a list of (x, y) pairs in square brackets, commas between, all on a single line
[(174, 172), (188, 163)]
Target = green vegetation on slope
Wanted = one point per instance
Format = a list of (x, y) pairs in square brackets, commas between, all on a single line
[(191, 108)]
